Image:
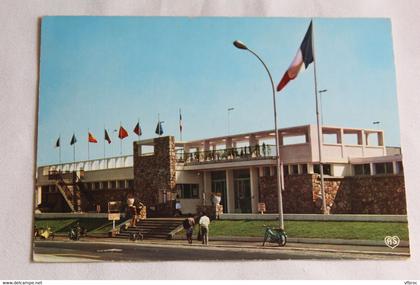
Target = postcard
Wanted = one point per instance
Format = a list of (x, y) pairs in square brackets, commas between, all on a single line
[(176, 138)]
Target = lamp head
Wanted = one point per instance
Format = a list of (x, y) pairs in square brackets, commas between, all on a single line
[(239, 45)]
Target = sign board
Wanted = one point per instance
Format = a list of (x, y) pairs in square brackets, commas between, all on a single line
[(114, 216), (261, 208)]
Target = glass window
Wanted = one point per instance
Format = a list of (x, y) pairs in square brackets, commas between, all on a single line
[(130, 184), (266, 171), (112, 184), (326, 168), (400, 167), (361, 169), (97, 185), (187, 191), (383, 168), (285, 170), (295, 169), (304, 168)]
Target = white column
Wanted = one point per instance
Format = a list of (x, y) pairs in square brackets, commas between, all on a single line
[(230, 193), (394, 167), (38, 196), (253, 175)]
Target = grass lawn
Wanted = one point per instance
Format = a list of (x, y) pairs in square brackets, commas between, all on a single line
[(312, 229), (64, 225), (55, 224)]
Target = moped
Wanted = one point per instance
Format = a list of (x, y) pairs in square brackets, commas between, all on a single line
[(274, 235), (44, 233)]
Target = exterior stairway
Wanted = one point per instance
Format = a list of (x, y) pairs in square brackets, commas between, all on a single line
[(153, 228), (67, 194)]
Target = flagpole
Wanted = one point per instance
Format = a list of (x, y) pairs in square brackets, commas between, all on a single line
[(104, 142), (88, 144), (59, 149), (120, 140), (74, 153), (138, 123), (180, 125), (321, 167), (159, 125)]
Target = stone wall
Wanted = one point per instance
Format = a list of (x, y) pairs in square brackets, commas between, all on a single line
[(154, 174), (349, 195)]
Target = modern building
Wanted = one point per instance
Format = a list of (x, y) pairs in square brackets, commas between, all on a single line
[(242, 168)]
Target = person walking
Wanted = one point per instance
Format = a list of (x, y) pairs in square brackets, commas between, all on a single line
[(204, 223), (188, 225)]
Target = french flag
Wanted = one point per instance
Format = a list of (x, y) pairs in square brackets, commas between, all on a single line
[(304, 57)]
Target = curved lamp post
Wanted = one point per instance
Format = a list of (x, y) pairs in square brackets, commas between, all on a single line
[(241, 45)]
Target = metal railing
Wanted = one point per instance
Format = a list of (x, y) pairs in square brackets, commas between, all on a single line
[(237, 153)]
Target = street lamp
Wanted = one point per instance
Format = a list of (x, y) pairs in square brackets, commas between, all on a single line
[(320, 102), (228, 111), (241, 45)]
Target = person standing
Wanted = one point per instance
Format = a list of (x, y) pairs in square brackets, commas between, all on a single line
[(188, 225), (204, 223)]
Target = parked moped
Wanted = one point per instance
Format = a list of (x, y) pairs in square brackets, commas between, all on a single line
[(43, 233), (273, 235)]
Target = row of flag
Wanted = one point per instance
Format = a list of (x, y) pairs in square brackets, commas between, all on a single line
[(122, 134)]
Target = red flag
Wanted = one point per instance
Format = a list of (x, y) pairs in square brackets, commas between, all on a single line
[(137, 129), (122, 133), (91, 138)]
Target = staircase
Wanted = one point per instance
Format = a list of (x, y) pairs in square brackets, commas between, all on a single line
[(66, 193), (153, 228), (71, 186)]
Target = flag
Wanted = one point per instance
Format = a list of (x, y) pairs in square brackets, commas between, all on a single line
[(180, 121), (91, 138), (303, 58), (73, 140), (107, 138), (159, 130), (122, 133), (137, 129), (57, 144)]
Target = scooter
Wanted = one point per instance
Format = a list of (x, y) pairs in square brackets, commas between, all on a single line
[(74, 233), (273, 235), (44, 233)]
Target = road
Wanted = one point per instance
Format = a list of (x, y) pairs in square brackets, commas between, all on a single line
[(95, 250)]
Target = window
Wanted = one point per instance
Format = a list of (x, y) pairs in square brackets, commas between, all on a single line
[(295, 169), (187, 191), (130, 184), (104, 185), (97, 185), (326, 167), (285, 170), (400, 167), (361, 169), (383, 168), (266, 171), (112, 184), (304, 168)]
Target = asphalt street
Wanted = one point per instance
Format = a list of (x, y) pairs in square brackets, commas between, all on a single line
[(111, 250)]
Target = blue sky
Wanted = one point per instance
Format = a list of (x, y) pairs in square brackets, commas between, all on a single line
[(99, 71)]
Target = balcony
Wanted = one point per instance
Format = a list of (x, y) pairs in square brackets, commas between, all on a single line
[(226, 155)]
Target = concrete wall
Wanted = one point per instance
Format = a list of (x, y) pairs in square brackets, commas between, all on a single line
[(191, 177)]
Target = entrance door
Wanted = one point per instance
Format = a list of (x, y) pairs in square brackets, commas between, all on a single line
[(243, 195), (219, 186)]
